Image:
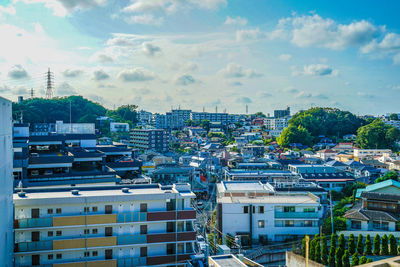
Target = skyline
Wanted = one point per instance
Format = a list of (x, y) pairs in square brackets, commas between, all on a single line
[(160, 53)]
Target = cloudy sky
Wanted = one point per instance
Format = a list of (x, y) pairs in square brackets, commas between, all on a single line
[(160, 54)]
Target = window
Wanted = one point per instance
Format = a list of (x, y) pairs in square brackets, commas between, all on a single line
[(50, 256), (260, 209), (289, 223), (86, 254), (356, 224), (86, 231), (189, 248), (309, 210), (49, 211), (180, 226), (86, 209), (50, 233), (189, 226), (289, 209), (94, 209), (58, 233), (245, 209), (170, 227), (181, 248), (143, 252), (308, 223), (58, 210), (59, 256), (94, 231), (261, 223), (143, 229), (170, 249), (143, 207), (95, 253)]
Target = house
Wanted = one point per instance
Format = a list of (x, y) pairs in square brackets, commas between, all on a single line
[(337, 164), (119, 127), (374, 163), (349, 137), (376, 213), (251, 151), (370, 153), (326, 154), (344, 148), (388, 186)]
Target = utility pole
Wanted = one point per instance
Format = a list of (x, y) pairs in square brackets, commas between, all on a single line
[(330, 195), (307, 243), (49, 89), (32, 93)]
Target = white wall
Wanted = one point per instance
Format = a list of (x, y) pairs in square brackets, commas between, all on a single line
[(6, 184)]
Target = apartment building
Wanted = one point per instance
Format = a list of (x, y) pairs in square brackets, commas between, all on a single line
[(119, 127), (6, 184), (255, 212), (223, 118), (364, 153), (276, 123), (131, 225), (282, 113), (150, 139)]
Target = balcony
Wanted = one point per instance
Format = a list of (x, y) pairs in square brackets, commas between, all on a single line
[(296, 215)]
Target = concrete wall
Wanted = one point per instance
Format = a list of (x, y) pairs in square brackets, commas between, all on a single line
[(6, 185), (294, 260)]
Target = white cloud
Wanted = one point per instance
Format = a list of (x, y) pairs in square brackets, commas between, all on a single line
[(72, 73), (246, 35), (9, 10), (149, 49), (389, 45), (99, 75), (101, 57), (285, 57), (145, 19), (317, 70), (65, 89), (17, 72), (136, 75), (243, 100), (235, 21), (185, 79), (234, 70), (396, 59)]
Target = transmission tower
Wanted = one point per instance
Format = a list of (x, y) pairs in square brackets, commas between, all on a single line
[(50, 83), (32, 93)]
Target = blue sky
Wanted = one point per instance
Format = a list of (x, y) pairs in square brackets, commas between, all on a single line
[(160, 54)]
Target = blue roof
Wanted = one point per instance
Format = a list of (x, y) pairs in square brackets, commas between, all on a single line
[(374, 187)]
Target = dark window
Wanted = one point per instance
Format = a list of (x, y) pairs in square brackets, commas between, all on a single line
[(189, 226), (356, 224), (143, 207), (170, 227), (289, 223), (50, 256), (50, 233), (59, 256), (86, 231), (189, 248), (49, 211), (58, 233), (170, 249), (35, 259), (289, 209), (58, 210), (108, 209), (86, 209), (171, 204), (35, 236), (109, 231), (35, 214), (94, 231), (108, 254), (261, 209), (86, 254), (143, 229), (94, 209), (180, 226), (95, 253), (143, 252), (254, 209), (245, 209)]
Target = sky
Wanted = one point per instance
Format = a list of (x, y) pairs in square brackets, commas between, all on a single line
[(211, 54)]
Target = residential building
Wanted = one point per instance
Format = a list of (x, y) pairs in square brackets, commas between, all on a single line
[(172, 174), (388, 187), (231, 261), (176, 118), (130, 225), (276, 123), (119, 127), (257, 175), (144, 116), (365, 153), (74, 128), (375, 213), (250, 151), (212, 117), (326, 154), (150, 139), (255, 212), (282, 113), (6, 184)]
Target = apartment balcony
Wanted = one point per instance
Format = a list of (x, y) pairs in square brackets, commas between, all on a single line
[(83, 243), (296, 215)]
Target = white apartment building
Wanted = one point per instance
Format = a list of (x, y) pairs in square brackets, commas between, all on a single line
[(6, 184), (136, 225), (365, 153), (256, 213), (276, 123), (119, 127)]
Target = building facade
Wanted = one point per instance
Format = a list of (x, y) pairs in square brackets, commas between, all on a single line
[(282, 113), (6, 184), (135, 225), (150, 139)]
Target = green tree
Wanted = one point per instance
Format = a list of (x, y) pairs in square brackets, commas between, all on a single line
[(303, 246), (338, 255), (339, 224), (354, 259), (363, 260), (360, 245), (377, 135), (346, 259), (394, 117), (317, 257), (294, 134), (332, 251), (259, 115), (324, 251), (368, 245), (392, 245), (384, 245), (390, 175), (369, 260), (312, 249), (377, 244), (352, 244), (342, 242)]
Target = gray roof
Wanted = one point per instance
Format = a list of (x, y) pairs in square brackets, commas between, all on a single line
[(380, 196)]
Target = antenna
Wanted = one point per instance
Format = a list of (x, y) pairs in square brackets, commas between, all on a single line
[(224, 110), (204, 109), (216, 109), (49, 89), (247, 109), (32, 93)]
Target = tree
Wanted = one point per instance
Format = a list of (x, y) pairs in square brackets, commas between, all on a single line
[(332, 251), (368, 245), (346, 259), (394, 117), (230, 241), (377, 135), (317, 257), (339, 255), (294, 134), (363, 260), (312, 249), (354, 259), (339, 224), (342, 242), (390, 175), (377, 243), (384, 245), (324, 251), (303, 246), (260, 115), (352, 244), (392, 245), (360, 245), (369, 260)]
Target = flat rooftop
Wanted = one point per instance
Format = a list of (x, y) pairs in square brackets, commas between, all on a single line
[(227, 261), (273, 199)]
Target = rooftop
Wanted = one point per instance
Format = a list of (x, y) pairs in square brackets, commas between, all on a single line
[(273, 199)]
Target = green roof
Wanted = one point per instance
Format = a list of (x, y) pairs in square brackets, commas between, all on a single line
[(374, 187)]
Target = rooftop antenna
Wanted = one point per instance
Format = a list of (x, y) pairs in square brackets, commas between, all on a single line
[(49, 89), (32, 93), (179, 107), (224, 110), (216, 109), (204, 109), (247, 109)]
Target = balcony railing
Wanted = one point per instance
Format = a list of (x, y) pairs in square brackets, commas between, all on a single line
[(295, 215)]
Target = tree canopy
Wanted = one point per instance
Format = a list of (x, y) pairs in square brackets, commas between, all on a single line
[(294, 134), (377, 135)]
